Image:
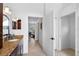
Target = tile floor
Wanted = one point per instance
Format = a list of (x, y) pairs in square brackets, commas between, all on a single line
[(35, 49)]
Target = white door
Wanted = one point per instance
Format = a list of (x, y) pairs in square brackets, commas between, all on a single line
[(48, 34)]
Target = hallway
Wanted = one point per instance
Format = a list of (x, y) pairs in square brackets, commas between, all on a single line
[(35, 50)]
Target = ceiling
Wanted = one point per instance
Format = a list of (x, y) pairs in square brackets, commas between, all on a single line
[(33, 9), (34, 19), (30, 9)]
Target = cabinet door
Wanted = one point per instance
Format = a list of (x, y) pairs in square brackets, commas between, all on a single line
[(1, 21), (18, 50), (14, 53), (21, 47)]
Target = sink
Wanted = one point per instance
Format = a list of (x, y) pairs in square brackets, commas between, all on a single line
[(13, 40)]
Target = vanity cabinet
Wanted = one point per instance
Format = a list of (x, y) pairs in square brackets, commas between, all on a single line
[(18, 50), (1, 27)]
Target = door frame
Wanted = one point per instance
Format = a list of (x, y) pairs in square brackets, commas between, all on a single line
[(66, 11), (45, 15)]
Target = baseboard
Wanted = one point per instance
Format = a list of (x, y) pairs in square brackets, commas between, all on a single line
[(57, 50), (25, 54), (68, 49)]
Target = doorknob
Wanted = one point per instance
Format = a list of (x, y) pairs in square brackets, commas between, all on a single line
[(52, 38)]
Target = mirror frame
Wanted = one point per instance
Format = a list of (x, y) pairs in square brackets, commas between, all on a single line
[(8, 27)]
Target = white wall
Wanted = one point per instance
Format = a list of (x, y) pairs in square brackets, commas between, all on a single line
[(68, 31), (65, 42), (72, 30), (40, 32), (22, 11), (77, 29)]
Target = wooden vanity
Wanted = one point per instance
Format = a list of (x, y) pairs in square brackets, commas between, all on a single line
[(1, 22), (13, 48)]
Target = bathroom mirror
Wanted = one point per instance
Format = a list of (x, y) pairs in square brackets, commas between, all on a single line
[(6, 30)]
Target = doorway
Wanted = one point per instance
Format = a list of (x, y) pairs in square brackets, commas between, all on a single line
[(68, 35), (35, 36)]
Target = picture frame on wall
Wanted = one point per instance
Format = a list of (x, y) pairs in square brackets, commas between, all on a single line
[(13, 24), (19, 24), (16, 24), (41, 26)]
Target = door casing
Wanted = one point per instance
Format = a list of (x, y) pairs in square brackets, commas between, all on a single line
[(66, 11)]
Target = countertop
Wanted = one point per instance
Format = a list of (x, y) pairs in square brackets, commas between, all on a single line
[(8, 47)]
